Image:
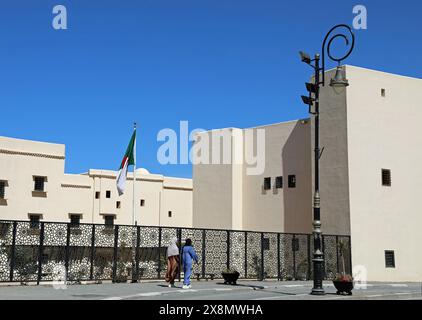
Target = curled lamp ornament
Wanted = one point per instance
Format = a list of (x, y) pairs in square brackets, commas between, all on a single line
[(350, 42)]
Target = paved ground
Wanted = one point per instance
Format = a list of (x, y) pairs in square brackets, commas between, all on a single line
[(209, 290)]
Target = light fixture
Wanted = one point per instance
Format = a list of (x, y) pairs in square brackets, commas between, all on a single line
[(305, 57), (307, 100), (310, 87), (339, 79)]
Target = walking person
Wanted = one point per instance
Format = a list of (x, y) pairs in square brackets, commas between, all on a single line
[(172, 262), (188, 256)]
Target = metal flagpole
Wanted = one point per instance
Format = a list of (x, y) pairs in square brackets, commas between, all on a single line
[(134, 178), (134, 223)]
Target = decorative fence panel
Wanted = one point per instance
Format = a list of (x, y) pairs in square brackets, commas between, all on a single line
[(48, 251), (237, 256), (270, 247), (254, 255)]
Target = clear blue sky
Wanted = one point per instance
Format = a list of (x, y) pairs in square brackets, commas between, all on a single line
[(214, 63)]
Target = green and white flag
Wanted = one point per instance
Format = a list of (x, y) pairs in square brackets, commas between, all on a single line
[(128, 159)]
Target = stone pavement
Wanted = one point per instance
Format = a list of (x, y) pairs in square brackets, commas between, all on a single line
[(209, 290)]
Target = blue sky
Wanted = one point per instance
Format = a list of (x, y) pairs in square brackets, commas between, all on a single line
[(227, 63)]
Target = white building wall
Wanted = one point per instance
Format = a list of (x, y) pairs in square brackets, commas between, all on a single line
[(20, 160), (385, 133), (67, 194), (213, 200), (287, 152), (227, 197), (334, 178)]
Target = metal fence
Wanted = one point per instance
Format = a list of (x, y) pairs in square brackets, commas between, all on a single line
[(47, 251)]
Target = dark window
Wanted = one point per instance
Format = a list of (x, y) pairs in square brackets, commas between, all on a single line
[(117, 204), (142, 202), (292, 181), (386, 177), (75, 220), (267, 183), (170, 214), (109, 221), (295, 244), (279, 182), (389, 259), (97, 195), (382, 92), (2, 187), (266, 243), (34, 221), (108, 194), (39, 183)]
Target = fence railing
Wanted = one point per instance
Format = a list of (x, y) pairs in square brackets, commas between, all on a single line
[(47, 251)]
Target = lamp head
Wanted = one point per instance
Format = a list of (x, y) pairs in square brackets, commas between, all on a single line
[(305, 57), (311, 87), (307, 100), (339, 80)]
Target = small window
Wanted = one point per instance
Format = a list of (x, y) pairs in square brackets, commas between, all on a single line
[(75, 220), (279, 182), (142, 202), (383, 93), (386, 177), (39, 184), (34, 221), (2, 189), (267, 183), (109, 220), (292, 181), (97, 195), (170, 214), (389, 259), (117, 204), (108, 194)]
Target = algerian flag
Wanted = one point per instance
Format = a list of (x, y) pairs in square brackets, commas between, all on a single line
[(128, 159)]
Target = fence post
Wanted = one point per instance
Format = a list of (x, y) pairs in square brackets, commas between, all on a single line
[(228, 249), (323, 254), (204, 243), (12, 254), (179, 235), (116, 239), (294, 255), (337, 256), (40, 253), (278, 258), (159, 254), (309, 256), (91, 268), (262, 256), (350, 255), (66, 259), (138, 240), (246, 254)]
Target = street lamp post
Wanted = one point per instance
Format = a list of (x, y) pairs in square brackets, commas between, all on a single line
[(312, 99)]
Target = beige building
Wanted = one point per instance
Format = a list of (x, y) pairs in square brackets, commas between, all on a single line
[(369, 175), (33, 185), (226, 196), (369, 178)]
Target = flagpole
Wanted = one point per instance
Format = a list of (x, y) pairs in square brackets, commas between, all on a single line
[(134, 271), (134, 178)]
